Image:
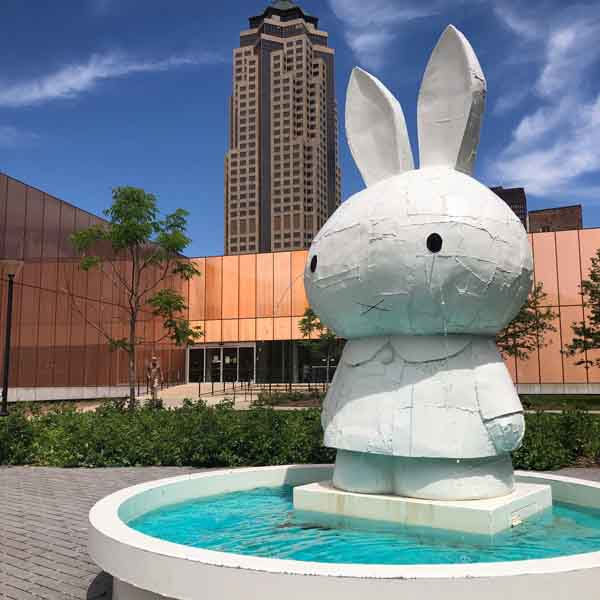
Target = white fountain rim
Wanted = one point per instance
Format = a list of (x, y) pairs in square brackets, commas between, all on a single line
[(111, 537)]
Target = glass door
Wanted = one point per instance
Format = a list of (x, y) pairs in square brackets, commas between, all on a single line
[(246, 364), (230, 364), (196, 365), (213, 365), (227, 364)]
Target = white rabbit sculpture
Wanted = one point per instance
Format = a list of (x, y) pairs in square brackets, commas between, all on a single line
[(419, 272)]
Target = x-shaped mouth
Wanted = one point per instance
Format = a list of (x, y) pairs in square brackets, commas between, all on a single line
[(371, 307)]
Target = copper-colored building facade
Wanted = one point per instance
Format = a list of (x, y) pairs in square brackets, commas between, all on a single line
[(282, 176), (561, 260), (56, 352), (243, 300), (261, 297), (248, 298)]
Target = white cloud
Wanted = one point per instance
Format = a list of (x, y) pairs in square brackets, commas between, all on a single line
[(11, 136), (534, 127), (518, 22), (72, 80), (510, 100), (371, 25), (566, 154), (369, 46), (570, 50), (555, 144), (368, 13)]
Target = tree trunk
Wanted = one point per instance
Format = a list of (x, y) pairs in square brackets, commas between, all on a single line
[(132, 363)]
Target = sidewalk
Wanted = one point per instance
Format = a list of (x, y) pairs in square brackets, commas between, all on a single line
[(43, 529)]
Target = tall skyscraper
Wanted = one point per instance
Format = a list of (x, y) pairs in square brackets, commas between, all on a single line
[(282, 176)]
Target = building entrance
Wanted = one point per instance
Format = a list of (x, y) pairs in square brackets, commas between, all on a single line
[(220, 364)]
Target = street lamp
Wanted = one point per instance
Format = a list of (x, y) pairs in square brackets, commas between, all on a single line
[(10, 269)]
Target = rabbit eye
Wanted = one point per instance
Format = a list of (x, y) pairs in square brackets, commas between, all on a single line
[(434, 243), (313, 264)]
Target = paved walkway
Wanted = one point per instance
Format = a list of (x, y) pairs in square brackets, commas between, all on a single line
[(174, 397), (43, 528), (211, 394)]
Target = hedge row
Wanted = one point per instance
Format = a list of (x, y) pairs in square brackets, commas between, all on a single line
[(201, 436), (194, 435)]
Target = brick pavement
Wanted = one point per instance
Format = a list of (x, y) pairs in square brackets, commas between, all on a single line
[(43, 529)]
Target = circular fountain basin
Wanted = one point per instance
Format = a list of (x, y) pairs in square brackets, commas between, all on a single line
[(145, 567)]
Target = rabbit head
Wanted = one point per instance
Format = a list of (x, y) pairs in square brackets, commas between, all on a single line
[(425, 251)]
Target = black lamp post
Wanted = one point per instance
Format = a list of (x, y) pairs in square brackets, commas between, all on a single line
[(11, 269)]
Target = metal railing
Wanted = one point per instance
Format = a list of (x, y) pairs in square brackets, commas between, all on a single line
[(170, 379), (267, 383)]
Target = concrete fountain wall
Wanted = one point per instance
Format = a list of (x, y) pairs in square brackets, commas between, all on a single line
[(146, 568), (419, 272)]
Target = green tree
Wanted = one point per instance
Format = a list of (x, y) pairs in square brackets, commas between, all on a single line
[(140, 252), (527, 331), (326, 342), (586, 333)]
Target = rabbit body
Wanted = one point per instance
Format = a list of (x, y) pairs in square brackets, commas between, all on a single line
[(420, 375), (418, 272), (431, 396)]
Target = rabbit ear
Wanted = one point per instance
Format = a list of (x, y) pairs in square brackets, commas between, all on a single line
[(451, 104), (376, 129)]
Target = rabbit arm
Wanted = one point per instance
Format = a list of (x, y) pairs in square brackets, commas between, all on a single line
[(496, 393), (499, 403), (506, 432)]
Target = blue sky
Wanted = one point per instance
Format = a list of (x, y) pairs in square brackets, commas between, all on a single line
[(100, 93)]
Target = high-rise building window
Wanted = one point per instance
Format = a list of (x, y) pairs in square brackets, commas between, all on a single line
[(294, 79)]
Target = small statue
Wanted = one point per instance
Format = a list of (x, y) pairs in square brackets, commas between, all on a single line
[(154, 378), (419, 272)]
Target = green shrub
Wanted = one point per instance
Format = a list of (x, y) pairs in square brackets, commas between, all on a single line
[(202, 436), (16, 438), (193, 435), (554, 440), (289, 398), (543, 446), (580, 434)]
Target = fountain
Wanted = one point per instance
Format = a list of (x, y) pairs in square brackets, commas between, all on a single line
[(418, 272)]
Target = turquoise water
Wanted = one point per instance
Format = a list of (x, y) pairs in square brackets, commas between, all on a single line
[(262, 522)]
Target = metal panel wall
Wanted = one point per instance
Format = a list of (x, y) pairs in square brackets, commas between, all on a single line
[(246, 298), (231, 287), (214, 287), (561, 260), (247, 286), (53, 343), (264, 285), (282, 285)]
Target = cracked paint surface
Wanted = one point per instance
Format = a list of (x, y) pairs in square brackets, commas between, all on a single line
[(423, 397), (374, 252), (420, 376)]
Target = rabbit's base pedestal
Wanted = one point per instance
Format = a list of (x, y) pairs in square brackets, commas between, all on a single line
[(482, 517), (424, 478)]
